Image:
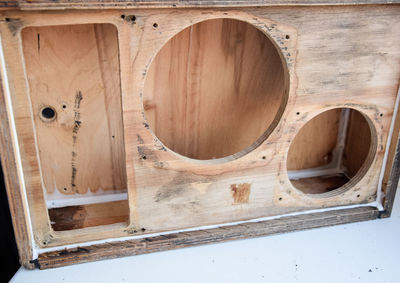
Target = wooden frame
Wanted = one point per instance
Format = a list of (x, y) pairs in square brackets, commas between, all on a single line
[(40, 245)]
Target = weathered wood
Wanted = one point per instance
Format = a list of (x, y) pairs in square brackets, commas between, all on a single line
[(104, 4), (201, 237), (351, 65), (12, 181)]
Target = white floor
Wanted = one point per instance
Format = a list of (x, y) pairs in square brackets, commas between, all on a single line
[(359, 252)]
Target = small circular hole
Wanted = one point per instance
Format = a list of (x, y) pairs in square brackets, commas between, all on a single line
[(297, 113), (358, 196), (64, 106), (280, 198), (155, 25), (122, 16), (287, 36), (48, 113), (264, 157), (65, 189), (143, 229), (113, 136), (144, 157), (381, 114)]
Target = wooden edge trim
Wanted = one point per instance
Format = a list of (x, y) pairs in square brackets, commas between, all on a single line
[(201, 237), (15, 199), (392, 171), (112, 4)]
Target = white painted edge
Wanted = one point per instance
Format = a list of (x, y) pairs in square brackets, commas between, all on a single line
[(313, 172), (84, 200), (380, 195), (17, 153), (121, 239)]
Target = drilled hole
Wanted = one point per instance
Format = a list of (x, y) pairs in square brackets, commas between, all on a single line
[(47, 113), (155, 25)]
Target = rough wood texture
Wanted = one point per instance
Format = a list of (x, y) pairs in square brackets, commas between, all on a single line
[(78, 217), (74, 70), (102, 4), (215, 89), (201, 237), (353, 64), (12, 181), (390, 180), (314, 143)]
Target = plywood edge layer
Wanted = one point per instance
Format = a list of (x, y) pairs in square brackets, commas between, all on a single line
[(65, 4), (201, 237)]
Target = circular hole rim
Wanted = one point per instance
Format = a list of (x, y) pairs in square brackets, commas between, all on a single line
[(362, 171), (43, 117), (267, 133)]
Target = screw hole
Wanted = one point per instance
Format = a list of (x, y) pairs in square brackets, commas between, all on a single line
[(122, 16), (143, 229), (264, 157), (64, 106), (155, 25), (381, 114), (144, 157), (280, 198), (113, 136), (65, 189), (297, 113), (287, 36), (47, 113)]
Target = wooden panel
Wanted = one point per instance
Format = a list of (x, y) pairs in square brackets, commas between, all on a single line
[(202, 237), (314, 143), (358, 143), (214, 89), (77, 217), (75, 71), (93, 4), (168, 192), (320, 184)]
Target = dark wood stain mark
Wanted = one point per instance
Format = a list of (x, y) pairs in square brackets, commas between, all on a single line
[(240, 193), (67, 218), (38, 42), (14, 25), (75, 129)]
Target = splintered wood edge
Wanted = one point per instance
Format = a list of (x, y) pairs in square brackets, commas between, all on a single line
[(201, 237), (106, 4)]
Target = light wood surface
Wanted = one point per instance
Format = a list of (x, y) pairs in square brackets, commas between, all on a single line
[(75, 71), (214, 89), (353, 64)]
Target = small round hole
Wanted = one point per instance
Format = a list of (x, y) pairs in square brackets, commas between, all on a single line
[(280, 198), (122, 16), (358, 196), (287, 36), (143, 229), (144, 157), (155, 25), (381, 114), (64, 106), (297, 113), (48, 113), (65, 189), (264, 157)]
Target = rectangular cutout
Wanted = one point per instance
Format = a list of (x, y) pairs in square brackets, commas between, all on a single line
[(74, 82)]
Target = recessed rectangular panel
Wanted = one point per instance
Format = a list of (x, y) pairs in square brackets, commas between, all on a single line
[(74, 88)]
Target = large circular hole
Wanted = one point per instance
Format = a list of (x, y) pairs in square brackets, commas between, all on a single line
[(215, 89), (333, 150)]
